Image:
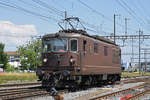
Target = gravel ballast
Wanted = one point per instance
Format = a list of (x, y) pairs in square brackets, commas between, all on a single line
[(90, 93)]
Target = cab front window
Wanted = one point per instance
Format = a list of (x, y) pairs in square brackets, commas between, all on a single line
[(55, 45)]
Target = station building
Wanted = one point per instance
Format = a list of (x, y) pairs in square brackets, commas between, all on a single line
[(13, 58)]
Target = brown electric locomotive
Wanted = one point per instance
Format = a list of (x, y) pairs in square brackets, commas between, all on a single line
[(72, 58)]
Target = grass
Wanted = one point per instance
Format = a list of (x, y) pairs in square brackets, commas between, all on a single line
[(31, 77), (130, 74), (17, 77)]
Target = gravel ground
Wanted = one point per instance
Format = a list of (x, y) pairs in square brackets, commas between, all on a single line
[(145, 97), (87, 93)]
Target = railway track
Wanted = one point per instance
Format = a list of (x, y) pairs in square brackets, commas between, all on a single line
[(38, 83), (133, 79), (135, 92), (111, 88), (102, 91), (19, 85), (2, 91), (19, 93), (140, 94), (26, 92)]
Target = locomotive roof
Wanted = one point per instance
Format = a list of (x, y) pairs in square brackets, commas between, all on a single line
[(78, 33)]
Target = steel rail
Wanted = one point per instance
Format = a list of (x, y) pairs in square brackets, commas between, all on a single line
[(116, 93), (17, 89), (24, 84), (139, 94), (17, 92), (26, 95)]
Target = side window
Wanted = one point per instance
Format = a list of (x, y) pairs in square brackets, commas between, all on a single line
[(113, 56), (105, 51), (118, 56), (84, 45), (120, 53), (95, 48), (74, 45)]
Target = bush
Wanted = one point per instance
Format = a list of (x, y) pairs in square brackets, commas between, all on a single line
[(9, 68), (135, 70)]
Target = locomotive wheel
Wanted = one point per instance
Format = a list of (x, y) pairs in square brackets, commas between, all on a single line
[(74, 87), (44, 83)]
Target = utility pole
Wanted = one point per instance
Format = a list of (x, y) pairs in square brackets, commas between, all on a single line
[(139, 51), (145, 60), (115, 27), (65, 19), (126, 19), (132, 51)]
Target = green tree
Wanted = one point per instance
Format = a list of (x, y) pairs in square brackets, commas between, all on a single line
[(9, 68), (30, 55), (3, 56)]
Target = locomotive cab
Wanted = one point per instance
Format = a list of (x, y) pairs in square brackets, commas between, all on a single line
[(60, 54)]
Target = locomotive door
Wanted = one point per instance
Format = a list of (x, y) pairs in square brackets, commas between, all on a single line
[(83, 53)]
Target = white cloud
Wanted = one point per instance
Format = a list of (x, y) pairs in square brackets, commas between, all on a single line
[(15, 35)]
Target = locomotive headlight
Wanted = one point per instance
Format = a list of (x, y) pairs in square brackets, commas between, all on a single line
[(45, 60), (71, 60), (78, 69)]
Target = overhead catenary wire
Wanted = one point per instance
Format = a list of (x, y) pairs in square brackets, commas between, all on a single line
[(15, 36), (46, 18), (144, 12), (45, 5), (131, 12), (95, 11), (143, 7), (52, 9), (34, 6), (94, 27), (139, 8), (36, 14), (57, 3), (28, 11), (102, 15), (99, 32), (43, 17)]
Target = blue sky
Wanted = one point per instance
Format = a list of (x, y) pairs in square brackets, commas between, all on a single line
[(75, 8), (99, 14)]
